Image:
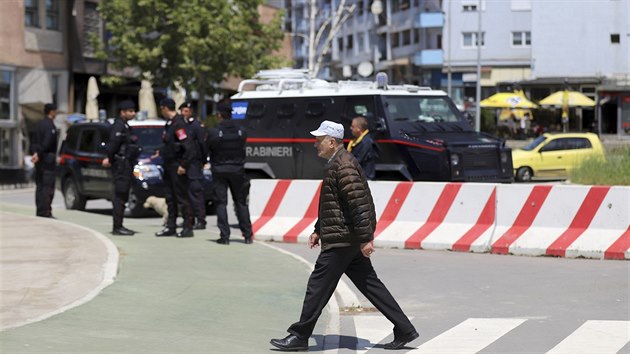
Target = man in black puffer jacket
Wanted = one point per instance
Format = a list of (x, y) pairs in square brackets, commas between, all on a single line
[(346, 225)]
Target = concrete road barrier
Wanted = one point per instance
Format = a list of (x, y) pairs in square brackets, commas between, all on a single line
[(536, 220)]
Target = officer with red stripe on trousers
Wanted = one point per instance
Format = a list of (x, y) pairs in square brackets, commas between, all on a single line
[(178, 153)]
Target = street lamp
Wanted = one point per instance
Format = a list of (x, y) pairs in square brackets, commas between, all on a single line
[(376, 9)]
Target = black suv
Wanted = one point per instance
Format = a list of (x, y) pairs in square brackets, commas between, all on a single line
[(81, 176)]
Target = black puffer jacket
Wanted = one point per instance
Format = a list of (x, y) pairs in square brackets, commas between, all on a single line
[(346, 209)]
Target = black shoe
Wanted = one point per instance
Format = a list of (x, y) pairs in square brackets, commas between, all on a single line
[(248, 240), (290, 343), (223, 241), (122, 232), (166, 232), (124, 228), (199, 226), (186, 233), (399, 343)]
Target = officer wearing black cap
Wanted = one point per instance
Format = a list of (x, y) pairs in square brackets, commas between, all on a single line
[(44, 156), (178, 153), (195, 172), (226, 144), (122, 153)]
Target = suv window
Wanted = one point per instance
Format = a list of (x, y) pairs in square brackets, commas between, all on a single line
[(87, 143)]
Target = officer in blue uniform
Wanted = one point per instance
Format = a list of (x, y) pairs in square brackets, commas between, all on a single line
[(195, 172), (122, 152), (178, 153), (44, 156)]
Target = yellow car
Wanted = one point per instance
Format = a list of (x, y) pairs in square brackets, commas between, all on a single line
[(553, 156)]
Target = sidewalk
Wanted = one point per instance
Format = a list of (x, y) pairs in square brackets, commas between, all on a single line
[(169, 295)]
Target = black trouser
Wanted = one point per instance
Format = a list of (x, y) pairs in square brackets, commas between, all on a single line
[(197, 199), (176, 193), (45, 189), (330, 266), (122, 171), (239, 188)]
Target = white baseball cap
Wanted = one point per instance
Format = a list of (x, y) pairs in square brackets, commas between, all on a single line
[(329, 128)]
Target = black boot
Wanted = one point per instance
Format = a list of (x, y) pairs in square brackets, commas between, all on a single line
[(290, 343), (167, 231), (121, 231), (186, 233)]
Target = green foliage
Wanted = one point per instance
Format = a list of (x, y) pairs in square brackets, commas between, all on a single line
[(615, 171), (195, 42)]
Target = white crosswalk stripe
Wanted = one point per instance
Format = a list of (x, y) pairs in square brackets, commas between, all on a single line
[(600, 337), (470, 336), (371, 330)]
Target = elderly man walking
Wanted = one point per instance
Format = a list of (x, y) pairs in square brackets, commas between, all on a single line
[(345, 228)]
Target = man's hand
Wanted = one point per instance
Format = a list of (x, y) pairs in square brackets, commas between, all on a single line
[(34, 158), (105, 162), (155, 155), (181, 171), (313, 240), (367, 249)]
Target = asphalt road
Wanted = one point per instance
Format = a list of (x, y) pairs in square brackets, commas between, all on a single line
[(467, 303)]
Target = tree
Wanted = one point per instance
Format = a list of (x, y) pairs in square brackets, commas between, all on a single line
[(198, 43), (319, 41)]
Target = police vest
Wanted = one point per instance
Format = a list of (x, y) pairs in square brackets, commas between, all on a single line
[(230, 149)]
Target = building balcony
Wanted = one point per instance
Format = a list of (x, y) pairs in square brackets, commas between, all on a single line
[(429, 20), (429, 57)]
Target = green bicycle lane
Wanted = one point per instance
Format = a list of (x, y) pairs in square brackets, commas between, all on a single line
[(173, 296)]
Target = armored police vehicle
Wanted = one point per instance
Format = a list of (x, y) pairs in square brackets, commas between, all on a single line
[(420, 134)]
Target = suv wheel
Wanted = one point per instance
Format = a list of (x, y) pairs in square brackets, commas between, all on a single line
[(134, 205), (524, 174), (72, 198)]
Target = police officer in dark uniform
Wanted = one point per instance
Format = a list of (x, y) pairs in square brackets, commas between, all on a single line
[(226, 144), (44, 156), (178, 153), (122, 153), (195, 172)]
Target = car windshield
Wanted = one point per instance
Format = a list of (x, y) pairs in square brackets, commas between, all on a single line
[(531, 146), (421, 109), (150, 138)]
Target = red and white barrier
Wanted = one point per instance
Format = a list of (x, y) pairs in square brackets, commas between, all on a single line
[(565, 221)]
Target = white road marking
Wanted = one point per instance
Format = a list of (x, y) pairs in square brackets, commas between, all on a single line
[(470, 336), (371, 329), (600, 337)]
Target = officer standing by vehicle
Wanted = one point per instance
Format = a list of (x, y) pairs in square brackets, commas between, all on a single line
[(226, 143), (122, 152), (195, 172), (44, 156), (178, 153)]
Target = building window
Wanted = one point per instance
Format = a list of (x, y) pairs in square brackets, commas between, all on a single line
[(340, 44), (31, 18), (469, 7), (395, 40), (400, 5), (406, 37), (349, 42), (6, 78), (469, 39), (360, 8), (615, 38), (52, 15), (91, 27), (521, 39), (361, 42)]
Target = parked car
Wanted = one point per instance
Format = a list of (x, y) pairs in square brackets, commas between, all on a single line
[(553, 156), (81, 176)]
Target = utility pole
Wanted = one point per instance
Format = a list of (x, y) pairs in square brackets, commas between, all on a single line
[(478, 93)]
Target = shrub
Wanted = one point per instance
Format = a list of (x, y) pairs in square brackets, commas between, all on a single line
[(615, 171)]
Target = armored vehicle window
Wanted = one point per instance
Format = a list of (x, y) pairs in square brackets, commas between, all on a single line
[(286, 110), (255, 110), (421, 109), (87, 143), (358, 106), (315, 109)]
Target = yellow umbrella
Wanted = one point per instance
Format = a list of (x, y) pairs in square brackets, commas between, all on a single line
[(507, 100), (567, 98)]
